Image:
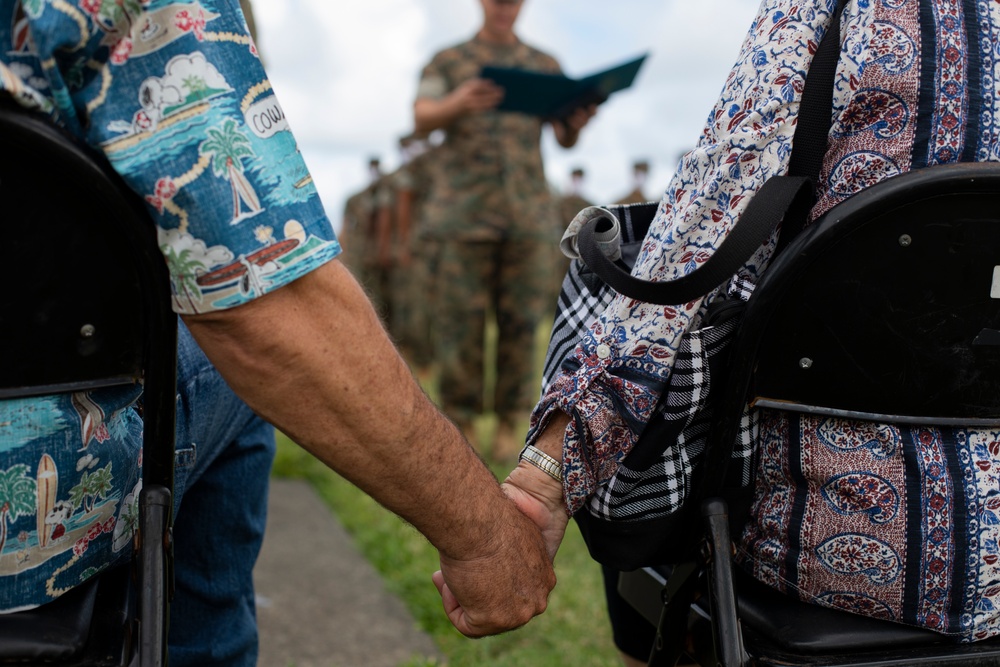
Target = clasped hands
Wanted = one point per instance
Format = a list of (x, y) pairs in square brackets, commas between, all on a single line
[(509, 585)]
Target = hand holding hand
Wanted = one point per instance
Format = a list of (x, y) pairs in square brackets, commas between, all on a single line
[(537, 494), (504, 587), (540, 498)]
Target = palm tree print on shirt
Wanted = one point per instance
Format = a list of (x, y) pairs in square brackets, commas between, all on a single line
[(17, 497), (183, 266), (227, 147), (92, 487)]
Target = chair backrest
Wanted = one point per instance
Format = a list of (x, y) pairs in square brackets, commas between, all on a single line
[(71, 315), (888, 308), (86, 294), (86, 304), (885, 309)]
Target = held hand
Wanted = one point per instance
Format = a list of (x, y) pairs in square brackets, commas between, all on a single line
[(504, 588), (540, 498), (537, 494), (477, 95)]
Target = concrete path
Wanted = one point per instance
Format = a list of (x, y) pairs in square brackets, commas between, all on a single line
[(319, 603)]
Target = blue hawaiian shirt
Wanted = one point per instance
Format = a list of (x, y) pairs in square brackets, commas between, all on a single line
[(174, 94)]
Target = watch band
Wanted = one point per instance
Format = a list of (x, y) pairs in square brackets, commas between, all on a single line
[(543, 462)]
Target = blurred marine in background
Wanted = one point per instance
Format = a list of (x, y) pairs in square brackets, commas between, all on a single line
[(491, 214)]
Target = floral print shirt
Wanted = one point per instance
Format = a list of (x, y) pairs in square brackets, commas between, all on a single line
[(916, 86), (173, 93)]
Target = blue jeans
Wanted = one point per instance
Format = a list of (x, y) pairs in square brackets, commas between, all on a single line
[(224, 457)]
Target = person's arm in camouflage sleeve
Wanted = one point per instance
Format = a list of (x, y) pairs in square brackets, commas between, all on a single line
[(438, 104)]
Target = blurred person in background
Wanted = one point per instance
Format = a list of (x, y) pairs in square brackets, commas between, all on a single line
[(413, 278), (571, 202), (640, 174), (360, 232), (491, 213)]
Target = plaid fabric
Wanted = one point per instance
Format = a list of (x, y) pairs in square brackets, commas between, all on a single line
[(654, 480), (584, 296)]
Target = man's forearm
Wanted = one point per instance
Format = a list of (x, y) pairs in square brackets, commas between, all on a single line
[(434, 114), (313, 358)]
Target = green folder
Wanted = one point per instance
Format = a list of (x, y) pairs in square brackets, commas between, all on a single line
[(557, 95)]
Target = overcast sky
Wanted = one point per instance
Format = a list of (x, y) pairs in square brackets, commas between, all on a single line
[(346, 73)]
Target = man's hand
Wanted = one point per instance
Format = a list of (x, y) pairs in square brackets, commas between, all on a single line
[(313, 359), (568, 129), (471, 97), (502, 589), (578, 120), (476, 96)]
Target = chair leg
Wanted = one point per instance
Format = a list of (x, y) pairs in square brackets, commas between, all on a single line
[(671, 631), (154, 564), (728, 638)]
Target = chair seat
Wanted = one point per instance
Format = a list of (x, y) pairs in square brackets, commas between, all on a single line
[(87, 621), (802, 628), (786, 631), (55, 631)]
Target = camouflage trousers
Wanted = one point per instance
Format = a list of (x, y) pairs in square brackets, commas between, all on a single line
[(412, 300), (475, 279)]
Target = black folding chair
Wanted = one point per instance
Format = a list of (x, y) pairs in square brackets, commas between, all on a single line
[(887, 309), (63, 203)]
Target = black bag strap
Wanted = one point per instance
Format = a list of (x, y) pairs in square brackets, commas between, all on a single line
[(755, 227), (788, 197), (816, 116)]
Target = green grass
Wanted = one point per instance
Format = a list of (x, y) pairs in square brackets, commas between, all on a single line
[(573, 631)]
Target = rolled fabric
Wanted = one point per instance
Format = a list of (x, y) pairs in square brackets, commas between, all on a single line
[(609, 235)]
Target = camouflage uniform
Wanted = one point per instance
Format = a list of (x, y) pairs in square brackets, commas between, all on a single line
[(415, 265), (491, 212), (639, 172), (358, 211), (361, 242), (380, 258)]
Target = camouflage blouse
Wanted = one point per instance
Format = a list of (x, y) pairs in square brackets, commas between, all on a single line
[(488, 178)]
